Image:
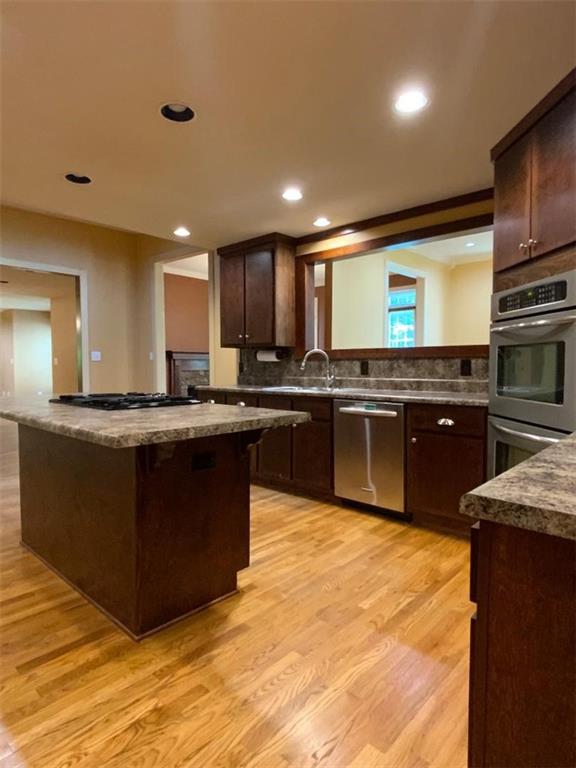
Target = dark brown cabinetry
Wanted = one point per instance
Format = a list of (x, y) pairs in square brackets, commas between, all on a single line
[(446, 457), (275, 450), (312, 446), (535, 181), (257, 287), (523, 648)]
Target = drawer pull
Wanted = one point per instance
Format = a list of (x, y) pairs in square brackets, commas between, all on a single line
[(211, 402), (241, 402), (413, 440), (445, 422)]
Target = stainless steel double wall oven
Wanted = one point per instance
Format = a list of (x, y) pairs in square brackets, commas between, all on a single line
[(532, 369)]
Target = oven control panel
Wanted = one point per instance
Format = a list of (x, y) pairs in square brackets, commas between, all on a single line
[(535, 296)]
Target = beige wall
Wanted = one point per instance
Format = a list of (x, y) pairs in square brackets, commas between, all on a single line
[(32, 352), (467, 318), (6, 354), (359, 301), (109, 259), (64, 343)]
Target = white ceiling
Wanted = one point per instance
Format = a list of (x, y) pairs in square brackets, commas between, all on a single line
[(193, 266), (454, 250), (286, 93)]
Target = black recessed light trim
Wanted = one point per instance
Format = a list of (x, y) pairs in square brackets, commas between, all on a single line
[(178, 113), (76, 179)]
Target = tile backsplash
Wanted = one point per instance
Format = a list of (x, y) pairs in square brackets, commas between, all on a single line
[(427, 374)]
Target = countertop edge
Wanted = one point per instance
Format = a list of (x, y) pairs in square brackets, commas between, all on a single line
[(166, 435), (519, 515), (417, 396)]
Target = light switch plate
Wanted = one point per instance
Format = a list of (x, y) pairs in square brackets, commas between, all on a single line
[(95, 356)]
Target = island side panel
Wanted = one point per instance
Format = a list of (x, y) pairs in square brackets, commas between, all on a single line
[(78, 511), (523, 692), (193, 524)]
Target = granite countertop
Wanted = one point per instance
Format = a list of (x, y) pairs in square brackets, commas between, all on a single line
[(376, 395), (539, 494), (125, 429)]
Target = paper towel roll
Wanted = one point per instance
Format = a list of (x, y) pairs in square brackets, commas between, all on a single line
[(269, 355)]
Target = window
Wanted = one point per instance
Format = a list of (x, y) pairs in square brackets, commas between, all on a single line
[(402, 317)]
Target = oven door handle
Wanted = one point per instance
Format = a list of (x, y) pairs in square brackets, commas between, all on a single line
[(535, 324), (526, 436)]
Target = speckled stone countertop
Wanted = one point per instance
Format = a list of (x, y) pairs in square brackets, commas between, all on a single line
[(376, 395), (125, 429), (539, 494)]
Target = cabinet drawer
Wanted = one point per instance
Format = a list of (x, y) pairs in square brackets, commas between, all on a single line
[(235, 398), (276, 402), (217, 397), (448, 419), (320, 409)]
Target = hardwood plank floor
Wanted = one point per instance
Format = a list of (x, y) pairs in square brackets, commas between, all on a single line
[(347, 646)]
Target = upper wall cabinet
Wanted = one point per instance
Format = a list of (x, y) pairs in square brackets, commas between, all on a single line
[(257, 288), (535, 181)]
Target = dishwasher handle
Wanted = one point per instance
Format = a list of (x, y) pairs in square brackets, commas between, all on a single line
[(357, 410)]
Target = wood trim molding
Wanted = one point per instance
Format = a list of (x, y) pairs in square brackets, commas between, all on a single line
[(435, 230), (407, 213), (271, 240), (411, 353), (561, 90)]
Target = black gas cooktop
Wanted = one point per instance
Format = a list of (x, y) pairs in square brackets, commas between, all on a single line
[(117, 401)]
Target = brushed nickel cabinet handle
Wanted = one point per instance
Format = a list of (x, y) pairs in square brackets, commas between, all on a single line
[(241, 402), (211, 402), (240, 335), (445, 422), (246, 335), (413, 440), (532, 242), (523, 247)]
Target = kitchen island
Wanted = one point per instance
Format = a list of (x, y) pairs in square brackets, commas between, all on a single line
[(144, 512), (523, 635)]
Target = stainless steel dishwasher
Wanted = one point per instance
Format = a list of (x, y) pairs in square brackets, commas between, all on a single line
[(369, 453)]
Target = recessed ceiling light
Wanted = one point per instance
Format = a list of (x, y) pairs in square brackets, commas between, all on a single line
[(76, 178), (182, 232), (411, 101), (322, 221), (178, 113), (292, 194), (470, 245)]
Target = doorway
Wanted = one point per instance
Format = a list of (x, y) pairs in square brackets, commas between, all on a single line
[(186, 323), (40, 326)]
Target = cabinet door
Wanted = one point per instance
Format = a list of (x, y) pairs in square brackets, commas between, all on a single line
[(440, 469), (275, 450), (512, 205), (312, 446), (232, 300), (554, 178), (259, 282)]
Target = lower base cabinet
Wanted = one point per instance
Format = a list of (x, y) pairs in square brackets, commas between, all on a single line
[(446, 458), (275, 449), (312, 447), (445, 453), (522, 711)]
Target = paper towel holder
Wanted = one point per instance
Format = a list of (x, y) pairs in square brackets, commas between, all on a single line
[(271, 355)]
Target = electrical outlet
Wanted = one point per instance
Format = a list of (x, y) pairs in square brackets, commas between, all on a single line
[(95, 356), (466, 367)]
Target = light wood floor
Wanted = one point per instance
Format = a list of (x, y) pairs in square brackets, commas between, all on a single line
[(347, 646)]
